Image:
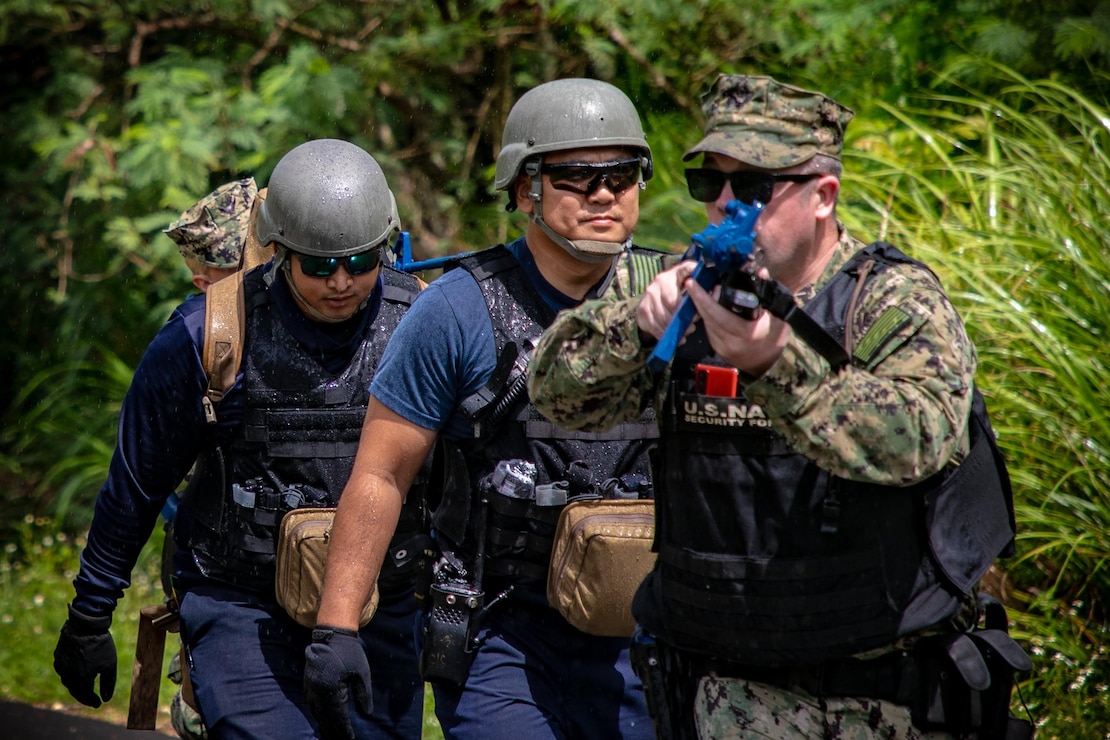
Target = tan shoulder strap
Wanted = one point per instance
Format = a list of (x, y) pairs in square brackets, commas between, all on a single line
[(225, 319), (224, 324), (255, 253)]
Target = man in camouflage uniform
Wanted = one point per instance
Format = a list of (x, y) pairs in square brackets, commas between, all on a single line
[(795, 573), (211, 234)]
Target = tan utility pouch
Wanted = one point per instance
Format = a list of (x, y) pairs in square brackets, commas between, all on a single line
[(302, 551), (602, 552)]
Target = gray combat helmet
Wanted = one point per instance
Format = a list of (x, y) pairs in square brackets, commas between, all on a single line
[(328, 198), (567, 114)]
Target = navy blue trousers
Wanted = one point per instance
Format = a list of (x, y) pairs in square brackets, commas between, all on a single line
[(536, 677), (246, 662)]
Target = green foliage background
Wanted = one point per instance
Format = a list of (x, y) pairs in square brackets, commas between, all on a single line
[(979, 145)]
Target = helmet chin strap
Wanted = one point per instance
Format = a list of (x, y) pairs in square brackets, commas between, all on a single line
[(586, 250)]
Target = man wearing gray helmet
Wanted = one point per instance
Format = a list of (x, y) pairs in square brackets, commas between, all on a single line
[(283, 437), (502, 662)]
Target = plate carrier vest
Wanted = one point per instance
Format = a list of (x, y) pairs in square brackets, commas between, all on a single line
[(766, 559), (519, 533), (297, 441)]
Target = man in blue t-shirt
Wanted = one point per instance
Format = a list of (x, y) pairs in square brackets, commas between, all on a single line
[(574, 158)]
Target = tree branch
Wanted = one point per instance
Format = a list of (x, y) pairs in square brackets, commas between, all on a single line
[(657, 77)]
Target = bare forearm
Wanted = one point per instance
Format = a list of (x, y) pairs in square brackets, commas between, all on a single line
[(364, 524)]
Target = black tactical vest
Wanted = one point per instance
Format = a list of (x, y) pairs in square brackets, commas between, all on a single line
[(766, 559), (296, 444), (518, 532)]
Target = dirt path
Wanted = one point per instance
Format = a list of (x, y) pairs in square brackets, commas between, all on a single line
[(25, 722)]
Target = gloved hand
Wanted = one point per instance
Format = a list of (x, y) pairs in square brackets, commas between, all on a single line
[(86, 650), (335, 666)]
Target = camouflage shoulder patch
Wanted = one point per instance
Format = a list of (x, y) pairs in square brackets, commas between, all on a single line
[(886, 326)]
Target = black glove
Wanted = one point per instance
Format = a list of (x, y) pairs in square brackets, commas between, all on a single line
[(336, 665), (85, 650)]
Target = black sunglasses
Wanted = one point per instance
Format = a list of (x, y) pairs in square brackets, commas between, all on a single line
[(705, 185), (585, 178), (355, 264)]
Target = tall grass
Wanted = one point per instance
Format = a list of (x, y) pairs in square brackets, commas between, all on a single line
[(58, 440), (1007, 197)]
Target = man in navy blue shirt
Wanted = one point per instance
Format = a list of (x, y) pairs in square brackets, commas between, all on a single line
[(283, 437), (574, 159)]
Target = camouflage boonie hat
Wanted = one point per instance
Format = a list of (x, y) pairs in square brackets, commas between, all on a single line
[(214, 230), (769, 125)]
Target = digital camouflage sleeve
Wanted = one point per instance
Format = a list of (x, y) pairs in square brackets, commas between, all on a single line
[(894, 417)]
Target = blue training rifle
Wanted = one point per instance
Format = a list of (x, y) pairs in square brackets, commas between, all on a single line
[(403, 260), (719, 249)]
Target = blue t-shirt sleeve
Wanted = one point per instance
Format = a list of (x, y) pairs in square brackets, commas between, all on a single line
[(160, 428), (442, 351)]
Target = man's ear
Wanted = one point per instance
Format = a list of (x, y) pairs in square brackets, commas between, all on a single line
[(522, 189), (826, 190), (202, 282)]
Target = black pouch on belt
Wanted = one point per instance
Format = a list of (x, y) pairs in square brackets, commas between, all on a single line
[(965, 681)]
